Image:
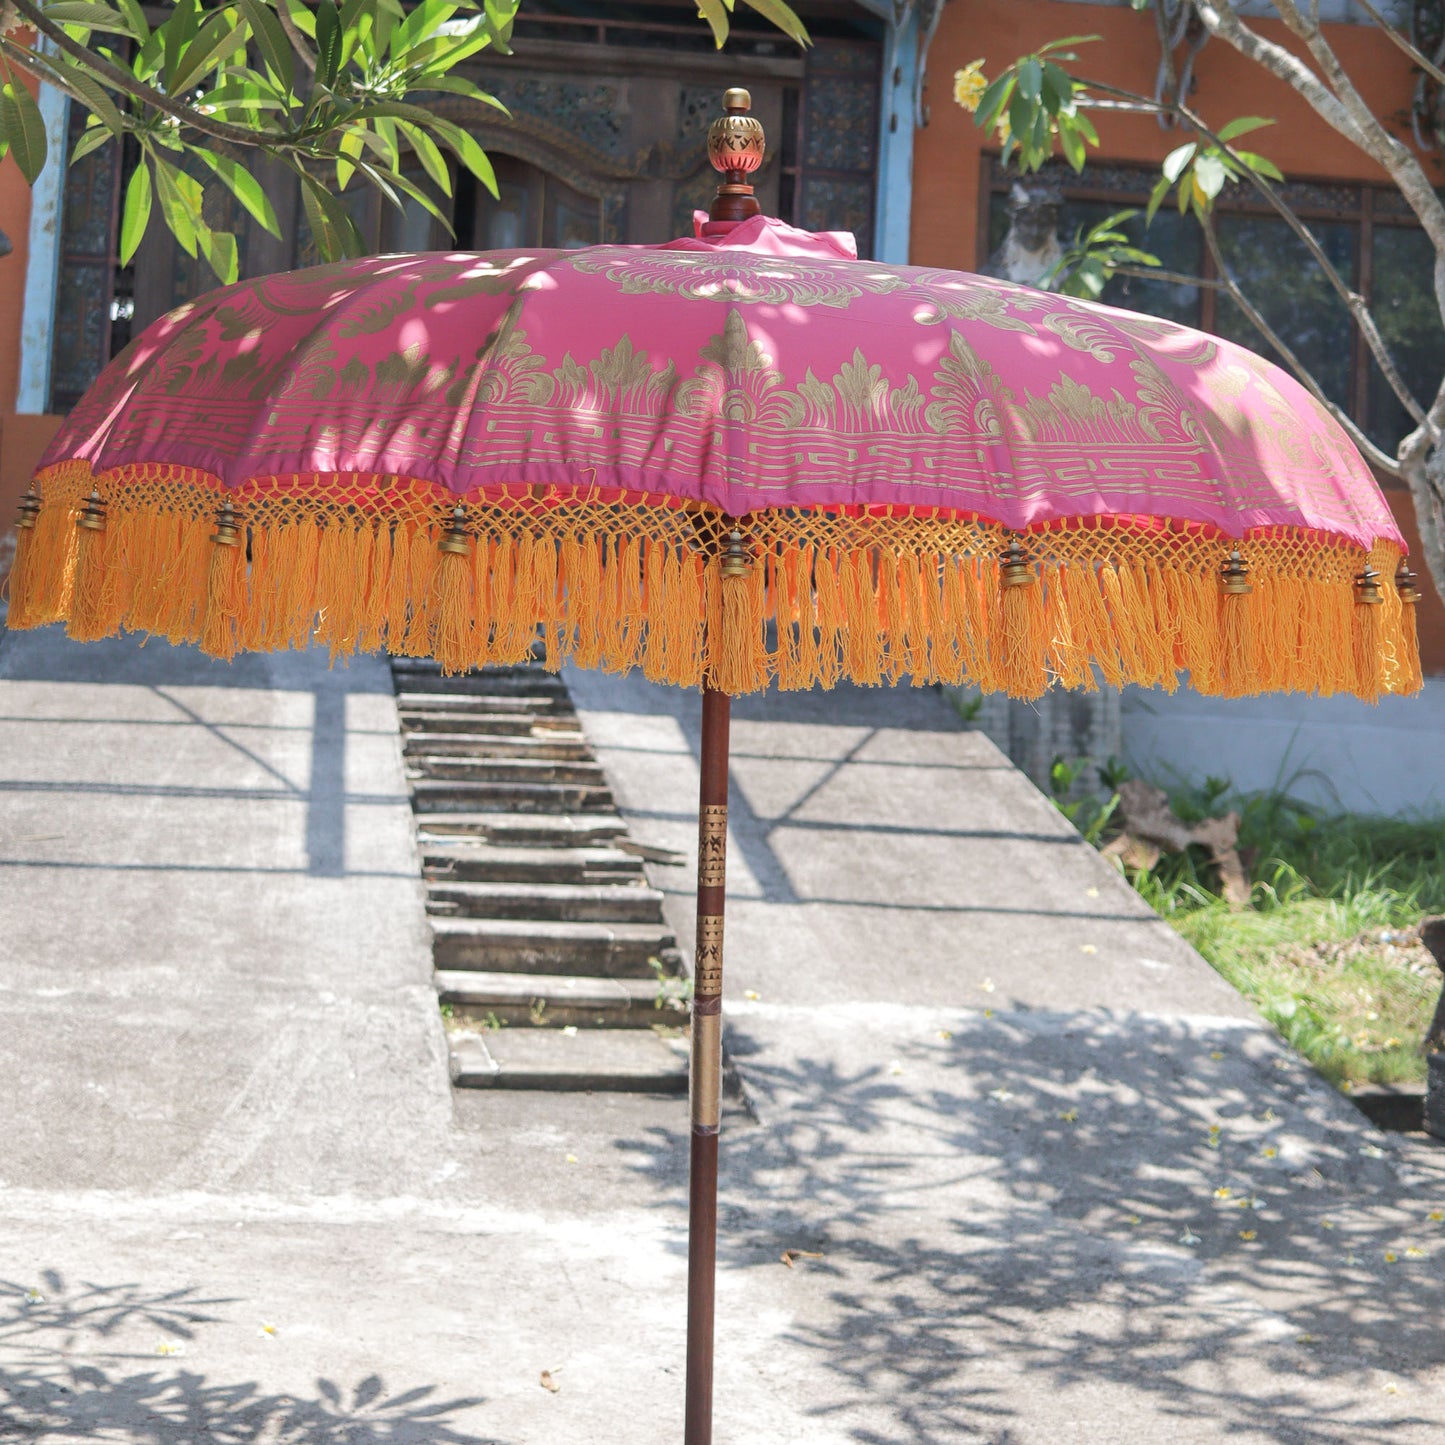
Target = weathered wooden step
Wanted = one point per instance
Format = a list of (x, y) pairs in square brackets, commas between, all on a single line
[(403, 666), (470, 862), (624, 1060), (506, 770), (464, 722), (555, 902), (541, 830), (559, 1000), (541, 685), (492, 702), (507, 945), (438, 795), (561, 745)]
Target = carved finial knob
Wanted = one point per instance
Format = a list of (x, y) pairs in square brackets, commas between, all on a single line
[(1234, 576), (92, 514), (736, 146), (455, 539)]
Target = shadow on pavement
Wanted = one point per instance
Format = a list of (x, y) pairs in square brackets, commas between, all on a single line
[(1010, 1207), (52, 1387)]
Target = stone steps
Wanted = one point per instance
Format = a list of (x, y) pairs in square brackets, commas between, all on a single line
[(446, 795), (563, 1000), (632, 1060), (553, 960), (531, 745), (505, 770), (545, 902), (535, 945), (476, 862)]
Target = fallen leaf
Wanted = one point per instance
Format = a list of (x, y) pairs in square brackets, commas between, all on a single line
[(1070, 1116), (1133, 1219), (1327, 1224), (34, 1297), (1414, 1252), (1091, 892), (987, 985), (571, 1159), (1248, 1234), (570, 1032), (1088, 948), (752, 995), (1270, 1152), (170, 1347), (548, 1380), (1189, 1237), (1436, 1215), (1305, 1339), (988, 1013), (1216, 1053), (945, 1034), (267, 1330), (789, 1255), (1391, 1389), (1372, 1151), (1391, 1257), (1001, 1094), (1223, 1192)]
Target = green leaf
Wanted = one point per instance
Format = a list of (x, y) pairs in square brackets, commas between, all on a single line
[(92, 17), (1242, 126), (1260, 165), (1058, 87), (1209, 175), (23, 128), (271, 40), (1020, 116), (1086, 128), (1156, 199), (419, 25), (471, 155), (245, 187), (993, 100), (1072, 145), (776, 13), (432, 160), (139, 26), (328, 43), (459, 85), (218, 38), (137, 214), (1177, 160), (219, 248), (1067, 41), (351, 147), (91, 91), (179, 214), (1031, 78), (91, 139), (178, 32), (331, 223), (715, 12)]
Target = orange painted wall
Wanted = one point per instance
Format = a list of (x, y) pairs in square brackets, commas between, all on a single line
[(948, 164), (15, 222)]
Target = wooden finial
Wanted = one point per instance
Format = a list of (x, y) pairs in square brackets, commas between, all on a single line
[(735, 146)]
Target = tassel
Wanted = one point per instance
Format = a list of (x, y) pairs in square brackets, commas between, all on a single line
[(1024, 640), (397, 605), (23, 582), (451, 609), (376, 547), (92, 614), (863, 642), (832, 622), (418, 638), (226, 588)]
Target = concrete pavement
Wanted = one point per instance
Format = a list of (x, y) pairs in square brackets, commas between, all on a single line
[(977, 1080)]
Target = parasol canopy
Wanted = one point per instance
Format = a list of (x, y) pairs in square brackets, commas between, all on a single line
[(915, 472)]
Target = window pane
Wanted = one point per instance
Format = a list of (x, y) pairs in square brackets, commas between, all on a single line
[(1405, 309), (1173, 238), (1278, 275)]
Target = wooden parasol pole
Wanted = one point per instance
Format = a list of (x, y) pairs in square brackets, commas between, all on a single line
[(706, 1100), (735, 147)]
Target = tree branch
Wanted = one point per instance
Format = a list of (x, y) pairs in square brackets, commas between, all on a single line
[(1354, 302), (297, 39), (1373, 454), (127, 84), (1418, 56)]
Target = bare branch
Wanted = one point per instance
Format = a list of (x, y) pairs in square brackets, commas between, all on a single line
[(1373, 454), (1418, 56), (1177, 278)]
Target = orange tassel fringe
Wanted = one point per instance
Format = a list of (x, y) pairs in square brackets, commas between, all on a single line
[(633, 583)]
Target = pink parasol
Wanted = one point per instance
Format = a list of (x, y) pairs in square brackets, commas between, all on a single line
[(740, 457)]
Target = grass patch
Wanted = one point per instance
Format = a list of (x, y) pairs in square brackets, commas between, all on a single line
[(1327, 948)]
